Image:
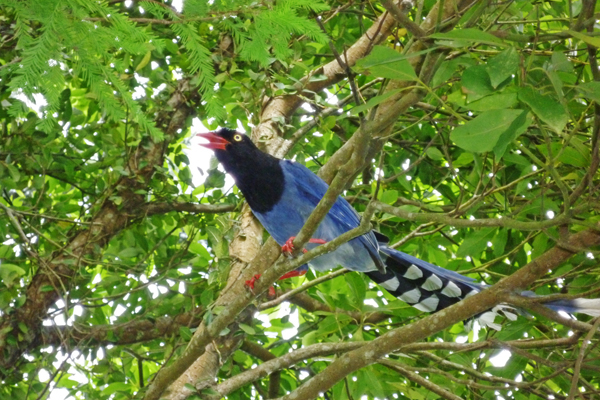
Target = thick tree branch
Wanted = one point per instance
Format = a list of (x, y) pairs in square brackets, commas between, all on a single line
[(325, 349), (472, 223), (135, 331)]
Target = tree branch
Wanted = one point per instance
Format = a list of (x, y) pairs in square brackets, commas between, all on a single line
[(135, 331), (194, 208)]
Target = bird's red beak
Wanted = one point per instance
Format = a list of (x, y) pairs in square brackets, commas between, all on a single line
[(214, 141)]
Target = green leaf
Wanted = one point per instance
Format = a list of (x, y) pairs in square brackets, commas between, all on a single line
[(476, 82), (199, 249), (116, 387), (462, 160), (357, 288), (590, 90), (502, 66), (190, 387), (483, 133), (374, 101), (10, 272), (591, 40), (493, 102), (206, 298), (247, 328), (144, 61), (6, 251), (516, 129), (545, 107), (389, 196), (14, 172), (23, 328), (129, 252), (476, 242), (560, 62), (388, 63), (500, 242), (217, 241), (434, 153)]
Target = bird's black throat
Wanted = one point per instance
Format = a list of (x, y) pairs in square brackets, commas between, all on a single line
[(258, 175)]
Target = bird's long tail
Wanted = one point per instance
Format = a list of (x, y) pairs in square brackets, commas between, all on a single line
[(430, 288)]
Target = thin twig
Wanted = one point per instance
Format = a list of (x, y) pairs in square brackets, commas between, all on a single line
[(584, 345)]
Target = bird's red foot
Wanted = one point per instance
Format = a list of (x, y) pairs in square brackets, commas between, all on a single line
[(288, 247), (250, 283)]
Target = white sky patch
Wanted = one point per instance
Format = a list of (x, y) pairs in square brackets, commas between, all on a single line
[(185, 271), (370, 302), (200, 156), (303, 375), (138, 93), (331, 98), (97, 279), (153, 289), (501, 358), (264, 319), (119, 310), (476, 328), (461, 339), (405, 164), (178, 5), (307, 107), (43, 375), (550, 214), (36, 105), (177, 74)]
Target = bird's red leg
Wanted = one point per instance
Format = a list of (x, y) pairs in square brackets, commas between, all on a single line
[(250, 283), (292, 274), (288, 247)]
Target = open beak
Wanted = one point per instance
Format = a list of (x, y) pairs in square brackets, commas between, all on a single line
[(214, 141)]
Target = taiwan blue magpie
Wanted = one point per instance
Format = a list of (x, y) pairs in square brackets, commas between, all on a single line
[(282, 194)]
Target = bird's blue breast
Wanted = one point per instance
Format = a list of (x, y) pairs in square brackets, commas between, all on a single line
[(302, 192)]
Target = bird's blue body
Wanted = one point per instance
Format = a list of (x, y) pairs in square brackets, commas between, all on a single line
[(302, 192), (282, 194)]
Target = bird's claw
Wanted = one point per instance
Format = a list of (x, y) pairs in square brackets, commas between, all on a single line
[(288, 247), (250, 282)]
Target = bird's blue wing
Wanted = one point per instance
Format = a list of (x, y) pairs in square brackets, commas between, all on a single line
[(341, 217)]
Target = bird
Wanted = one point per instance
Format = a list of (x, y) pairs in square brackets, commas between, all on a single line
[(283, 193)]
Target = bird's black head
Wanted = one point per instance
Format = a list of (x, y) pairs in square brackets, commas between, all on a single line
[(258, 175), (234, 150)]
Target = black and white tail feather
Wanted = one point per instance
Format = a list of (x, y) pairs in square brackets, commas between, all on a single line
[(430, 288)]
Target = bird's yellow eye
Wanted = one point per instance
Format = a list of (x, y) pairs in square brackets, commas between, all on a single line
[(237, 138)]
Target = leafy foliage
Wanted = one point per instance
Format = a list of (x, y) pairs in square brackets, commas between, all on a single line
[(117, 250)]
